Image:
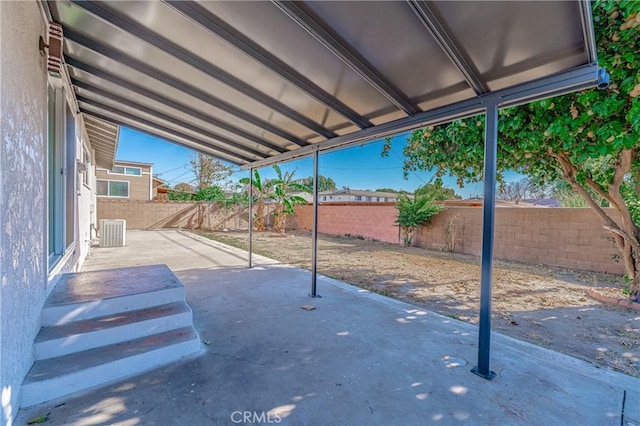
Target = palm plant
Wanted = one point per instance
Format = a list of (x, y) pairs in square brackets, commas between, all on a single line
[(413, 212), (283, 186), (261, 192)]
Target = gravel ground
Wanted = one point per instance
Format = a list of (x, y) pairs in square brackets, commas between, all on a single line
[(546, 306)]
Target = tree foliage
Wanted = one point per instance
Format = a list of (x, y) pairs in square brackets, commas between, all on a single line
[(437, 192), (324, 183), (208, 171), (210, 193), (281, 190), (591, 139), (183, 187), (413, 212)]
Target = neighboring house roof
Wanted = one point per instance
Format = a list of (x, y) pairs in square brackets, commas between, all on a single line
[(158, 182), (133, 163)]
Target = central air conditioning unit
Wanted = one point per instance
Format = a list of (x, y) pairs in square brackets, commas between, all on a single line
[(112, 232)]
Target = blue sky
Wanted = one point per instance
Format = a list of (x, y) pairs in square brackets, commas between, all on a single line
[(358, 167)]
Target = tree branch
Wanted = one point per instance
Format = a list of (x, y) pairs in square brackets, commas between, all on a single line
[(632, 241), (568, 170)]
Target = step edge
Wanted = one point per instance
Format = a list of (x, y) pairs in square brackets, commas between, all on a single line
[(45, 328), (183, 320), (189, 353)]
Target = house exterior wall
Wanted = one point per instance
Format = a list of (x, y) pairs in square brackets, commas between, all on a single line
[(139, 186), (26, 277), (22, 195)]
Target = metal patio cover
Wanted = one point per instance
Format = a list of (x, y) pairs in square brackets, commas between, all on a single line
[(258, 82)]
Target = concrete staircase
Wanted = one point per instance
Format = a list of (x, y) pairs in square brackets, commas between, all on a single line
[(99, 327)]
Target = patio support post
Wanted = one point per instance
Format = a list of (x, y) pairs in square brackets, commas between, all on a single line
[(488, 221), (314, 238), (250, 216)]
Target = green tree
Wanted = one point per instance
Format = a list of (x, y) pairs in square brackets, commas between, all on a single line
[(437, 192), (183, 187), (208, 170), (413, 212), (324, 183), (591, 139), (283, 187)]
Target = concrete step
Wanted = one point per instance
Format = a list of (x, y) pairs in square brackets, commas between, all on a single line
[(86, 295), (53, 378), (77, 336)]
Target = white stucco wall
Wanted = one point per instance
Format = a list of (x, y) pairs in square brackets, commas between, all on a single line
[(23, 194)]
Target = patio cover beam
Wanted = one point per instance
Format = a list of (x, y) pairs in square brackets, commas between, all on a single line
[(168, 118), (154, 39), (570, 81), (167, 78), (95, 72), (442, 35), (123, 118), (336, 44), (235, 38)]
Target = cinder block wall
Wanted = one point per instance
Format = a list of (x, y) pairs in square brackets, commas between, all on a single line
[(154, 215), (369, 220), (572, 238)]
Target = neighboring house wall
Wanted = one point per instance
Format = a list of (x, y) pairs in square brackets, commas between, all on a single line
[(22, 195), (355, 196), (27, 272), (139, 187)]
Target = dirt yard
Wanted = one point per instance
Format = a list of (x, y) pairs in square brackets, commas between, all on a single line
[(542, 305)]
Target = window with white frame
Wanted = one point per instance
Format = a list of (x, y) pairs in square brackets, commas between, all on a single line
[(112, 188), (124, 170)]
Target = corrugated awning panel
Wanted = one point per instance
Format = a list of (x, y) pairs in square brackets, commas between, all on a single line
[(250, 81)]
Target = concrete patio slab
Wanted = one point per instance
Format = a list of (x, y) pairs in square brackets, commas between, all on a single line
[(357, 358)]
